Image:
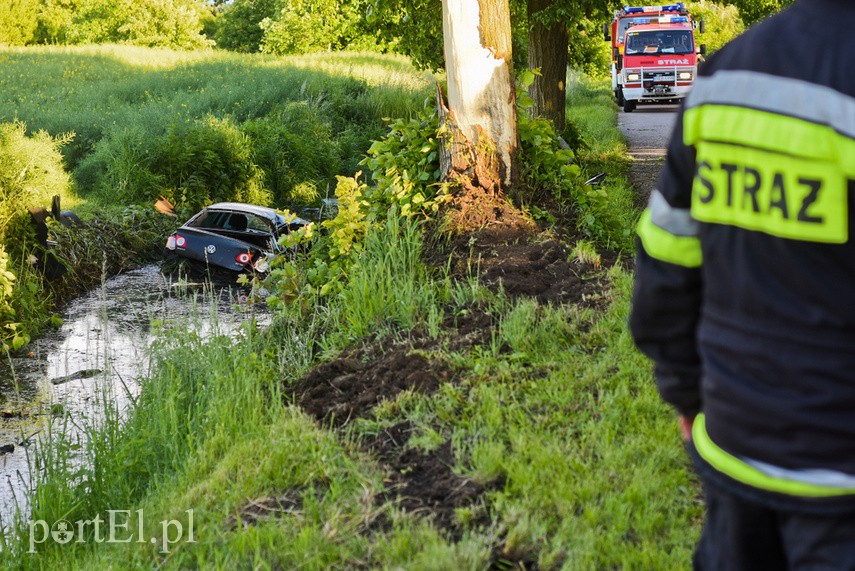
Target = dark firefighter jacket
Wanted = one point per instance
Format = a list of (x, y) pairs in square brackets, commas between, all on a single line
[(745, 282)]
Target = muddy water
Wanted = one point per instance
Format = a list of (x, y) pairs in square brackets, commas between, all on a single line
[(99, 352)]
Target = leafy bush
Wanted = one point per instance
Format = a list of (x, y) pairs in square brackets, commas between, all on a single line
[(722, 23), (121, 167), (18, 21), (238, 28), (10, 336), (31, 173), (208, 161), (405, 168), (323, 258), (295, 148), (548, 172), (302, 26), (154, 23), (192, 164)]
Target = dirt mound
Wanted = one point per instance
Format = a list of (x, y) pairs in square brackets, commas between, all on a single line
[(423, 482), (356, 381), (526, 264), (479, 209), (539, 270)]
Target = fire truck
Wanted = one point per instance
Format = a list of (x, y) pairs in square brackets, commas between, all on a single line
[(654, 54)]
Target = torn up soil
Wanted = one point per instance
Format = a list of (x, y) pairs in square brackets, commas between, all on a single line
[(360, 378), (350, 386), (423, 481), (525, 264), (509, 254)]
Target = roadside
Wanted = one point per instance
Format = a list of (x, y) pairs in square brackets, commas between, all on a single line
[(647, 131)]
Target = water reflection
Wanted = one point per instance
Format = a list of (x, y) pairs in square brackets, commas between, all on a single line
[(101, 350)]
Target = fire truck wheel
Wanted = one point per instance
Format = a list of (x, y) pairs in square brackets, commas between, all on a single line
[(619, 97), (629, 106)]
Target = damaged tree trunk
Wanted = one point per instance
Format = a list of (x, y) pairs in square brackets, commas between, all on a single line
[(481, 116), (547, 51)]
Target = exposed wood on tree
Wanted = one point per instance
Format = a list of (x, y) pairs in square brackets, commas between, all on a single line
[(481, 95), (454, 152)]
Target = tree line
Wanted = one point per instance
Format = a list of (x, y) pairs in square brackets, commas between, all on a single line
[(280, 27), (548, 35)]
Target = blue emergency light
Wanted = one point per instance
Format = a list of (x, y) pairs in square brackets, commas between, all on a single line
[(641, 9)]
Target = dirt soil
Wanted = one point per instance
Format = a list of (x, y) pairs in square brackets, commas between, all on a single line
[(530, 265), (517, 257)]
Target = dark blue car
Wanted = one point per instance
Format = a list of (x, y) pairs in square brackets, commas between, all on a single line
[(228, 239)]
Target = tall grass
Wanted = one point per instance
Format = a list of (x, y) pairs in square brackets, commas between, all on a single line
[(120, 105), (388, 288), (591, 108)]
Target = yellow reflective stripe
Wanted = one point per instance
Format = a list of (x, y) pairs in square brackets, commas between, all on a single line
[(780, 95), (770, 131), (662, 245), (740, 471), (778, 175)]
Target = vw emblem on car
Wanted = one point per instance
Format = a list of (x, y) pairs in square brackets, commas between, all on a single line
[(211, 248)]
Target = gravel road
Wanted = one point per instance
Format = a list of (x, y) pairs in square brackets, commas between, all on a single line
[(647, 131)]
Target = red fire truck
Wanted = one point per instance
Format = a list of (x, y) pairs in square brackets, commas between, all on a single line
[(654, 54)]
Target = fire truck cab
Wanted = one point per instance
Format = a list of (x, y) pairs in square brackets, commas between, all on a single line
[(654, 54)]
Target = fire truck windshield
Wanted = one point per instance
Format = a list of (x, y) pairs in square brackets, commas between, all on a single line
[(659, 42), (626, 22)]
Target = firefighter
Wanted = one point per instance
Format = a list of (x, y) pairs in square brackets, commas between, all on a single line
[(744, 288)]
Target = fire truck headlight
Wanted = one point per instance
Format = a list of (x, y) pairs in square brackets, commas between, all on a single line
[(684, 75), (633, 77)]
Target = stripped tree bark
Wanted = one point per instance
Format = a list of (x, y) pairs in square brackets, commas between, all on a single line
[(481, 126)]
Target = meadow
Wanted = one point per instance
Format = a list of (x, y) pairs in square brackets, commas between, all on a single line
[(280, 128), (532, 435)]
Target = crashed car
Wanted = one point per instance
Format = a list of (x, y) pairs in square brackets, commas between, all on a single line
[(228, 239)]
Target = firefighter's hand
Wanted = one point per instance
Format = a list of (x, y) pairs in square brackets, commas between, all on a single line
[(686, 423)]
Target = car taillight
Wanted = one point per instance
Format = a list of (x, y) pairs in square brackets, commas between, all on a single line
[(170, 243), (243, 258), (180, 240)]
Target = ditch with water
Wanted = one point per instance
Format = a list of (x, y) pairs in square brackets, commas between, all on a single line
[(100, 352)]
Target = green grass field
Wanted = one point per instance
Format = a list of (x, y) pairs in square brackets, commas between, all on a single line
[(548, 410), (130, 108)]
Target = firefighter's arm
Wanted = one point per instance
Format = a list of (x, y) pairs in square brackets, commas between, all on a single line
[(665, 308)]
